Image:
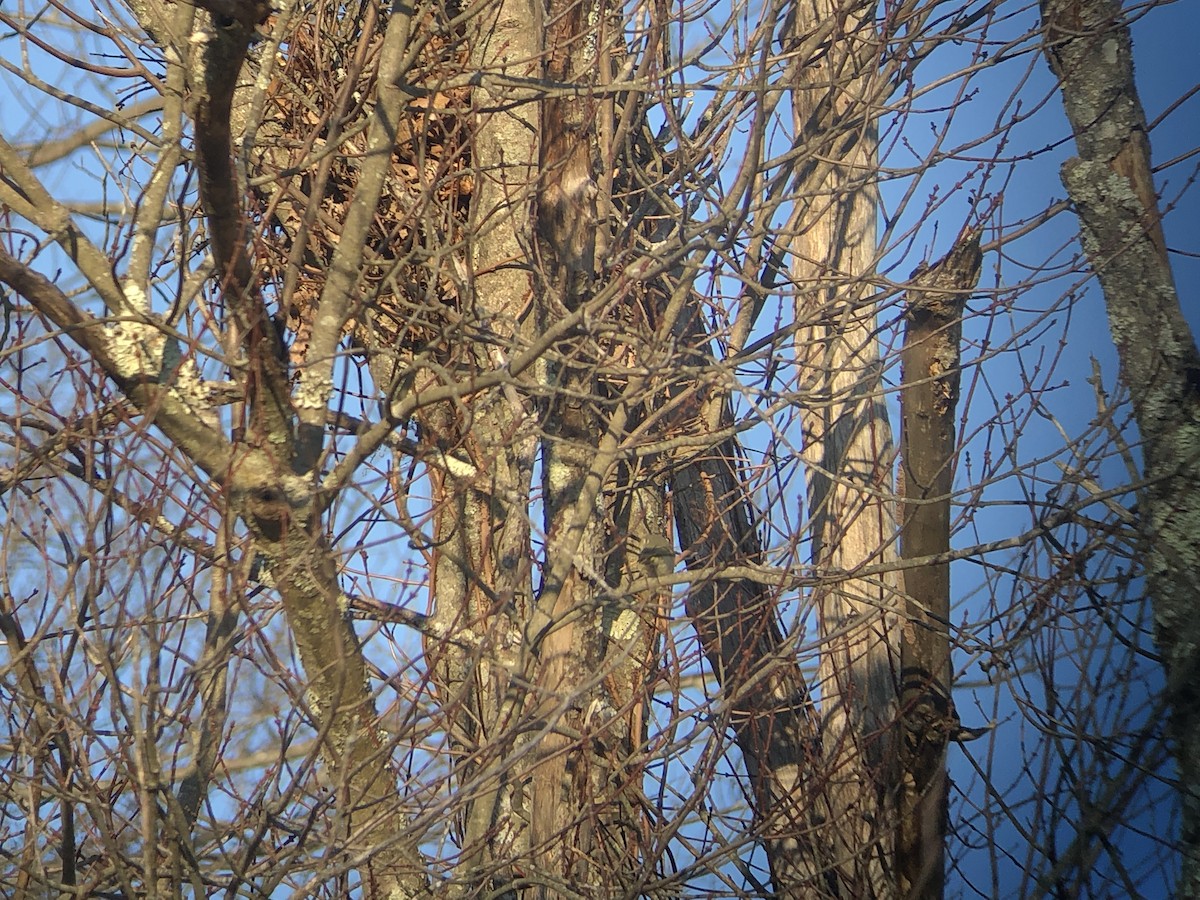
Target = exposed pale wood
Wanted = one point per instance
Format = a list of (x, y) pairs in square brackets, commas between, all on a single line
[(848, 448)]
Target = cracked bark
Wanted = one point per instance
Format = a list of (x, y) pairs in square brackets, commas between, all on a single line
[(1111, 186)]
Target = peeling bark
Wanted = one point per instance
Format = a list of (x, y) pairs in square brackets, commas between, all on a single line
[(848, 449)]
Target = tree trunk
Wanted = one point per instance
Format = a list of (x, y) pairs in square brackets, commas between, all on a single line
[(848, 447), (273, 491), (482, 578), (930, 368), (770, 709), (567, 637), (1111, 186)]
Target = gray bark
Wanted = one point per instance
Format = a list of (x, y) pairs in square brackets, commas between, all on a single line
[(482, 578), (1111, 186)]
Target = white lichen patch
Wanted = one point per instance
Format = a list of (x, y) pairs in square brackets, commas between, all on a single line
[(135, 296), (315, 702), (144, 352), (298, 490), (314, 390), (559, 476), (137, 349), (625, 627), (1095, 183), (589, 39)]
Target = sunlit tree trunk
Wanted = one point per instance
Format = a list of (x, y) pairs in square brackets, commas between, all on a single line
[(848, 449), (565, 635), (482, 573), (593, 639), (457, 318)]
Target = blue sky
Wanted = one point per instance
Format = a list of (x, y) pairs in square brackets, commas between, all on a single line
[(1054, 366)]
